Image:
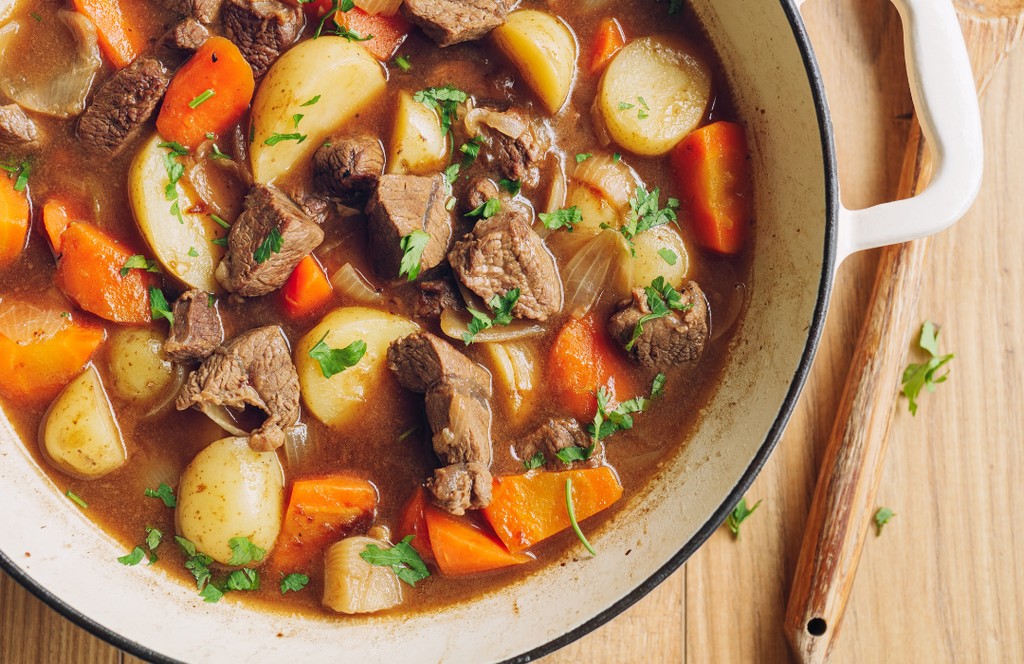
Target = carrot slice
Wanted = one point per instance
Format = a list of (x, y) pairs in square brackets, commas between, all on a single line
[(321, 512), (526, 509), (14, 217), (388, 31), (120, 41), (38, 370), (414, 522), (307, 290), (89, 272), (608, 42), (462, 547), (713, 173), (208, 94), (58, 213)]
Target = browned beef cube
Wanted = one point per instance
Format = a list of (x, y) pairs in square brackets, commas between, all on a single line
[(349, 168), (15, 126), (556, 435), (189, 35), (460, 417), (673, 339), (261, 29), (516, 156), (461, 486), (437, 295), (400, 205), (197, 329), (204, 10), (450, 22), (421, 361), (504, 253), (121, 106), (316, 206), (270, 237), (252, 369), (480, 191)]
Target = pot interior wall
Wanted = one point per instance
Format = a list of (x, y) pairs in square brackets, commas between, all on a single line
[(65, 554)]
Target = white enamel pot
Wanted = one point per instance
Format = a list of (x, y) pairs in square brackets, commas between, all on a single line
[(802, 234)]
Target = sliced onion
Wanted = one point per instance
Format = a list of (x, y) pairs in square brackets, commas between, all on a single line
[(509, 123), (382, 7), (455, 324), (223, 417), (556, 195), (241, 144), (353, 285), (297, 444), (616, 180), (160, 473), (604, 137), (169, 395), (587, 274), (24, 323)]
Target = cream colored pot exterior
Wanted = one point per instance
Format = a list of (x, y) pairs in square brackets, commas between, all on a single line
[(48, 544)]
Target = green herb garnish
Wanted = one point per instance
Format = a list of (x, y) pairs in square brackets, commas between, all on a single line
[(535, 462), (471, 150), (569, 454), (294, 582), (153, 537), (200, 98), (243, 579), (406, 434), (882, 517), (739, 515), (607, 422), (572, 516), (164, 493), (221, 222), (158, 306), (623, 106), (335, 360), (133, 558), (244, 552), (22, 170), (917, 376), (271, 245), (487, 210), (192, 252), (645, 214), (668, 255), (78, 501), (513, 187), (276, 138), (566, 218), (297, 118), (174, 172), (403, 62), (401, 558), (501, 306), (661, 300), (311, 101), (447, 100), (412, 246), (580, 158), (139, 262)]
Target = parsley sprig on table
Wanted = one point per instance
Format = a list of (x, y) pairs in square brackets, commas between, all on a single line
[(882, 517), (401, 558), (917, 376), (661, 299), (739, 515), (501, 306)]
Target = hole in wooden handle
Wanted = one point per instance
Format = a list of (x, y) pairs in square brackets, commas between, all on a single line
[(817, 627)]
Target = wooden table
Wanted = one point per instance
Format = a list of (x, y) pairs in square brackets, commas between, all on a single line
[(945, 580)]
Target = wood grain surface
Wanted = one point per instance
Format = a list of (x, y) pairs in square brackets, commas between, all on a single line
[(945, 580)]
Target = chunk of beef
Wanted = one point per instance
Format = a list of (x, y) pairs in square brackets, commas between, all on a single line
[(480, 191), (189, 35), (400, 205), (423, 361), (437, 295), (15, 126), (504, 253), (255, 264), (252, 369), (556, 435), (261, 29), (197, 329), (460, 417), (461, 486), (203, 10), (316, 207), (515, 144), (673, 339), (121, 106), (515, 157), (349, 168), (450, 22)]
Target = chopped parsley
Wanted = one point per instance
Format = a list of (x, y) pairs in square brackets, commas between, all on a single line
[(158, 306), (406, 434), (22, 170), (294, 582), (501, 306), (164, 493), (211, 594), (668, 255), (487, 210), (311, 101), (78, 501), (675, 6), (243, 579), (535, 462), (643, 114), (37, 17), (403, 62), (447, 100), (200, 98), (344, 6), (220, 241), (252, 134), (621, 418), (133, 558), (918, 376), (645, 214), (297, 118), (513, 187), (623, 106), (217, 154), (882, 517), (220, 222), (739, 515), (192, 252), (271, 245), (335, 360), (616, 157), (565, 218), (140, 262), (580, 158), (471, 150), (174, 172), (569, 454), (401, 558), (351, 35), (244, 552), (153, 537), (412, 246), (276, 138), (572, 516), (661, 299)]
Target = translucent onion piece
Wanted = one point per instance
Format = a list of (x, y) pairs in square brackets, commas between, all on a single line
[(511, 124), (556, 195), (614, 179), (24, 323), (352, 585), (456, 323), (297, 444), (516, 365), (604, 137), (240, 140), (353, 285), (587, 274), (166, 401), (222, 416), (64, 94), (383, 7), (160, 473)]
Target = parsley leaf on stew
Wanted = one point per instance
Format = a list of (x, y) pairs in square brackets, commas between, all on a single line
[(623, 106), (174, 173), (401, 558), (403, 62), (659, 293), (334, 360), (513, 187), (271, 245), (501, 306), (471, 149), (243, 579), (487, 210), (607, 422), (535, 462), (658, 387), (645, 214), (211, 594), (22, 170), (412, 246), (197, 563), (244, 552), (133, 558), (572, 516), (158, 306), (276, 138), (882, 517), (407, 433), (192, 252), (739, 515), (294, 582), (311, 101), (447, 100), (569, 454), (139, 261), (153, 537), (918, 376), (200, 98), (668, 255), (297, 118), (78, 501), (580, 158), (565, 218), (351, 35)]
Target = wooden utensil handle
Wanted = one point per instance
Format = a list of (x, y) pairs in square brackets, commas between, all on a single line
[(844, 498)]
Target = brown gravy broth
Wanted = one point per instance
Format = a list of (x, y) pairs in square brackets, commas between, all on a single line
[(161, 447)]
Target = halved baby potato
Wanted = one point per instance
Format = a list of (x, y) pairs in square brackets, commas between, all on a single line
[(418, 146), (544, 50), (139, 368), (649, 264)]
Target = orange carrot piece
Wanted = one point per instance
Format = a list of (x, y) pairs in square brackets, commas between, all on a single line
[(14, 217), (307, 290), (526, 509), (321, 512), (55, 221), (584, 359), (38, 370), (713, 173), (388, 31), (89, 272), (414, 522), (462, 547), (120, 42), (217, 67), (608, 42)]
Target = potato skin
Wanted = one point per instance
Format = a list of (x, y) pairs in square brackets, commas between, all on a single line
[(139, 368), (227, 491)]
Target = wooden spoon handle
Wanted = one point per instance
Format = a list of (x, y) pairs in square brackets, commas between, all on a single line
[(844, 498)]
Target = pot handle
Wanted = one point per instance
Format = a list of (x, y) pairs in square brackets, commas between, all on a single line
[(943, 89)]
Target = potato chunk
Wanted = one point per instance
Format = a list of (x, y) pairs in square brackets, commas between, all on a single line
[(544, 50), (418, 146), (352, 585), (80, 434), (649, 264), (139, 368)]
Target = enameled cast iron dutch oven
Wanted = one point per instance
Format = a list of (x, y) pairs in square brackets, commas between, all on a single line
[(802, 234)]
